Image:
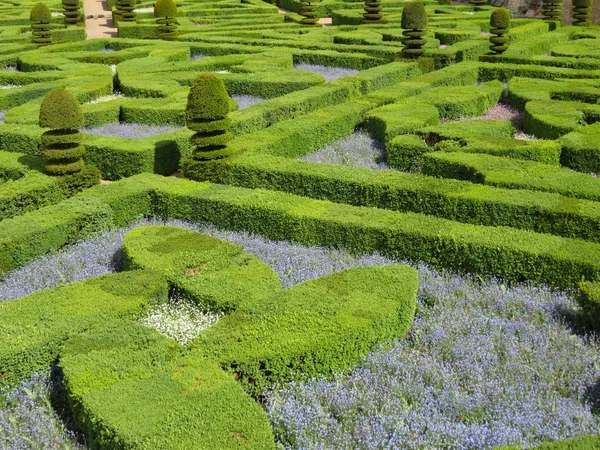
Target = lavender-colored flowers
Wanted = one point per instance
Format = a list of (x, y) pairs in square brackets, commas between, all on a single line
[(358, 150), (330, 73), (246, 101), (129, 130), (484, 365), (2, 114)]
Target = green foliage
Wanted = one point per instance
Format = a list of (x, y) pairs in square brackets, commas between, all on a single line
[(581, 149), (217, 275), (389, 121), (206, 112), (309, 11), (125, 11), (499, 23), (61, 147), (372, 12), (76, 182), (166, 13), (582, 13), (589, 300), (71, 11), (414, 22), (552, 9), (41, 17)]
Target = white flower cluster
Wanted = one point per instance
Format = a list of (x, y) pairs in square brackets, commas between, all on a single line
[(106, 98), (180, 320), (9, 86)]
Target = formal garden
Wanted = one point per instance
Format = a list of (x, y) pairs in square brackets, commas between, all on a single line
[(327, 224)]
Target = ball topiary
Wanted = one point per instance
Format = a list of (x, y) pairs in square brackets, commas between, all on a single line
[(582, 13), (309, 11), (71, 11), (166, 11), (372, 12), (206, 114), (61, 146), (552, 9), (41, 17), (499, 23), (414, 22)]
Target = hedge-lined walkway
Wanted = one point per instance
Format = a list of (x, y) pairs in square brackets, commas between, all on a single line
[(98, 20)]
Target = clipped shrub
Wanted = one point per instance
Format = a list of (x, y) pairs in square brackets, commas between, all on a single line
[(61, 146), (206, 114), (166, 13), (372, 12), (71, 11), (414, 23), (41, 17), (582, 13), (126, 10), (500, 24), (445, 2), (478, 2), (309, 11), (552, 9)]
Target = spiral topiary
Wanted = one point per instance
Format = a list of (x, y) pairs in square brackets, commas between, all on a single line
[(372, 12), (206, 114), (41, 17), (166, 12), (552, 9), (582, 13), (414, 22), (499, 23), (61, 146), (71, 11), (309, 10), (125, 11)]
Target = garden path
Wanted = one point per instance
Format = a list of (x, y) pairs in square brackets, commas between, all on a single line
[(98, 20)]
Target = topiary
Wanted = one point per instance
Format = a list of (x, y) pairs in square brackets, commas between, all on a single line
[(414, 22), (166, 11), (582, 13), (125, 10), (372, 12), (71, 11), (478, 2), (61, 146), (499, 23), (309, 10), (206, 114), (552, 9), (41, 17)]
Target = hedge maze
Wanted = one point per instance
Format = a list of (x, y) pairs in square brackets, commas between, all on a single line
[(515, 196)]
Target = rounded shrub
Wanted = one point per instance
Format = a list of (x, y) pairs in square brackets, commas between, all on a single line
[(309, 11), (414, 23), (71, 11), (372, 12), (582, 13), (61, 146), (206, 114), (500, 24), (552, 9), (41, 17), (166, 13)]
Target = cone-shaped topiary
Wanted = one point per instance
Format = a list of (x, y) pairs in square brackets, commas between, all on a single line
[(71, 11), (582, 13), (61, 146), (125, 11), (309, 10), (499, 23), (372, 12), (552, 9), (166, 11), (414, 22), (41, 17)]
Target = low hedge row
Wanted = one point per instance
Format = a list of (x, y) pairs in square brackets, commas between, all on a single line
[(506, 252), (581, 149), (460, 201), (512, 174), (549, 119), (506, 71)]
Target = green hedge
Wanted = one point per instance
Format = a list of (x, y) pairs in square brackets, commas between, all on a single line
[(581, 149), (389, 121), (589, 300), (512, 174), (216, 274), (553, 119), (33, 328)]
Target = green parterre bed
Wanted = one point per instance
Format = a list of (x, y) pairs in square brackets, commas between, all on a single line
[(459, 193)]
